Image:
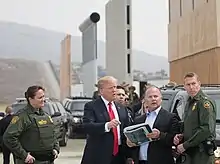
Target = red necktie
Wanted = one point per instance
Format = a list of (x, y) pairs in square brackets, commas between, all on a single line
[(115, 132)]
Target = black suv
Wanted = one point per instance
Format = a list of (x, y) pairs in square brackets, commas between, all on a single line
[(57, 112), (75, 106), (175, 98)]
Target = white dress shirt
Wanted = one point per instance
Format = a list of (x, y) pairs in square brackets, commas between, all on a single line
[(116, 117), (150, 119)]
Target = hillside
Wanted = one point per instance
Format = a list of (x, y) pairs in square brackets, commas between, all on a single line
[(24, 41), (17, 75)]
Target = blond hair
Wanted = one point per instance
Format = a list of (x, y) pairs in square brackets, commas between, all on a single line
[(8, 110), (103, 80)]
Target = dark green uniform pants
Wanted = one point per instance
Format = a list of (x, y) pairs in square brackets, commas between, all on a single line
[(197, 158), (19, 161)]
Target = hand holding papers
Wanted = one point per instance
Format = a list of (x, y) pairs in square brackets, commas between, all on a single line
[(155, 134), (130, 144), (137, 134)]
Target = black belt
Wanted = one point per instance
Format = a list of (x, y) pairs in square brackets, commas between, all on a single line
[(49, 156)]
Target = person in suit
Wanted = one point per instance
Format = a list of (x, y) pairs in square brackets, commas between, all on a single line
[(4, 122), (120, 98), (165, 126), (103, 122)]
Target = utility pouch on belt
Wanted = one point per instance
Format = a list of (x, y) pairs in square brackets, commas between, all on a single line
[(209, 147)]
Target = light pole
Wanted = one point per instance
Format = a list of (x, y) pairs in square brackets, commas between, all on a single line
[(89, 53)]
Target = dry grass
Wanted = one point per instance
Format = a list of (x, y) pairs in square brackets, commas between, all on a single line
[(2, 107)]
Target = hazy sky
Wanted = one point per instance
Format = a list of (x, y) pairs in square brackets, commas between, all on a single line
[(150, 18)]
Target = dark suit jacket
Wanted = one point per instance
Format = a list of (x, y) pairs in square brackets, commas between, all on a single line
[(99, 144), (4, 122), (160, 151)]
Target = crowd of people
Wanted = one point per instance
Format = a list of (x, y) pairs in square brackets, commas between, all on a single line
[(109, 113), (30, 134)]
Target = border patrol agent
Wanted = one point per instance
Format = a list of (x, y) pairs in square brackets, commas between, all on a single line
[(199, 125), (31, 133)]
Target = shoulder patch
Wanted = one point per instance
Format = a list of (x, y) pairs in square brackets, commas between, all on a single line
[(14, 119), (207, 104)]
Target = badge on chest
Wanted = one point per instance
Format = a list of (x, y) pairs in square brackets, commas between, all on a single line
[(42, 122)]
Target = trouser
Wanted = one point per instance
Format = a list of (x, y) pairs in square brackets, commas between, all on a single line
[(6, 154), (197, 158), (40, 158), (19, 161), (120, 157), (142, 162)]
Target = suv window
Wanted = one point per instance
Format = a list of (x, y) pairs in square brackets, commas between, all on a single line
[(61, 108), (78, 105), (217, 101), (179, 106), (68, 106), (165, 103), (216, 98), (18, 106), (55, 108), (167, 100)]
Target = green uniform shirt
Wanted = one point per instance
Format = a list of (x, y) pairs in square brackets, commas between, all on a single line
[(199, 120), (29, 131)]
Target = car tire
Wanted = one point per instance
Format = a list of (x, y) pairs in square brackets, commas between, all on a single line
[(64, 140), (71, 132)]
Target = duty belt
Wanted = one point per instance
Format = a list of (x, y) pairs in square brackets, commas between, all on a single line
[(49, 156)]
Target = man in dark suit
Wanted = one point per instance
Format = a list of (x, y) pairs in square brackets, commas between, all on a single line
[(164, 127), (104, 121), (4, 122)]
